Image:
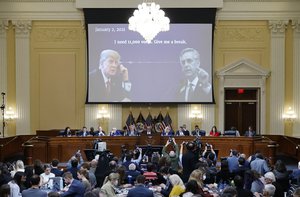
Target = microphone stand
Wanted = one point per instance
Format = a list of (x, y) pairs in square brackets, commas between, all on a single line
[(3, 110)]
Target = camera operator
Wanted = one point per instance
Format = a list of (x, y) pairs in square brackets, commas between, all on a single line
[(189, 159), (208, 150), (173, 155), (103, 166)]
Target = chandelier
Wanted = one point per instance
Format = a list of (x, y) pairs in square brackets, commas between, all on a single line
[(149, 20)]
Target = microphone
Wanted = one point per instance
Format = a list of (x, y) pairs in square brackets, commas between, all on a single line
[(2, 93)]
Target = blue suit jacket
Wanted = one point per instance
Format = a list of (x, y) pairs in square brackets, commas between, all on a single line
[(76, 189), (140, 190)]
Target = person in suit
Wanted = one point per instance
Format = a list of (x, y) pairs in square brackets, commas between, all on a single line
[(168, 131), (74, 187), (115, 132), (198, 131), (54, 168), (84, 132), (34, 190), (132, 131), (140, 189), (100, 132), (110, 82), (196, 86), (250, 132)]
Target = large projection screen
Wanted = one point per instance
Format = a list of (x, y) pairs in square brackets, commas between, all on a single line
[(124, 68)]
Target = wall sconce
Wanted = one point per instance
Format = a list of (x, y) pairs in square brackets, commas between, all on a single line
[(10, 114), (196, 114), (102, 114), (289, 115)]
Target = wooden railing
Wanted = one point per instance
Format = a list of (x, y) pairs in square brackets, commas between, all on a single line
[(47, 148)]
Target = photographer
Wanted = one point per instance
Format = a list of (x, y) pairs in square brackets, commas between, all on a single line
[(189, 159), (207, 151), (173, 156)]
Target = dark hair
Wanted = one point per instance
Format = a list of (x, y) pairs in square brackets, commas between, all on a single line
[(35, 179), (84, 172), (241, 160), (5, 190), (229, 191), (280, 166), (74, 163), (150, 167), (85, 165), (140, 179), (55, 162), (238, 181), (190, 146), (18, 177)]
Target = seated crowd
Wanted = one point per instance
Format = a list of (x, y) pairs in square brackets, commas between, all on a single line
[(186, 169)]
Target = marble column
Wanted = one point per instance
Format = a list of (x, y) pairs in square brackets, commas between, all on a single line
[(3, 66), (22, 41), (296, 75), (277, 30)]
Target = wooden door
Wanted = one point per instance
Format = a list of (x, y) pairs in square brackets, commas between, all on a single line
[(241, 109)]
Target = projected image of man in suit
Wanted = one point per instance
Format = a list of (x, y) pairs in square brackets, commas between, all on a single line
[(196, 87), (110, 82)]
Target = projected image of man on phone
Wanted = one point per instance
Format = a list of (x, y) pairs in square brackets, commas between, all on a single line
[(196, 86), (111, 80)]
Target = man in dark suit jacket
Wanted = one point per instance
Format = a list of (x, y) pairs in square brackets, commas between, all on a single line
[(110, 82), (76, 188), (250, 132), (196, 87), (34, 190), (140, 189), (84, 132)]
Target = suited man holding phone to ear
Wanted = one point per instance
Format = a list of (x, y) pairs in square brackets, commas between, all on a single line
[(109, 83), (196, 86)]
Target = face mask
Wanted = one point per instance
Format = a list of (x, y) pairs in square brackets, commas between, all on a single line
[(116, 182), (204, 177)]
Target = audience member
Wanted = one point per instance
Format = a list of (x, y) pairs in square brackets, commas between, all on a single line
[(259, 164), (18, 167), (74, 187), (173, 155), (132, 173), (83, 176), (233, 163), (109, 187), (178, 186), (16, 184), (270, 179), (239, 185), (91, 176), (140, 189), (46, 182), (54, 168), (34, 190), (5, 190)]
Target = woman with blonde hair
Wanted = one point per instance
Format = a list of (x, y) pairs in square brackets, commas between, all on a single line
[(111, 184), (178, 186), (199, 176)]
